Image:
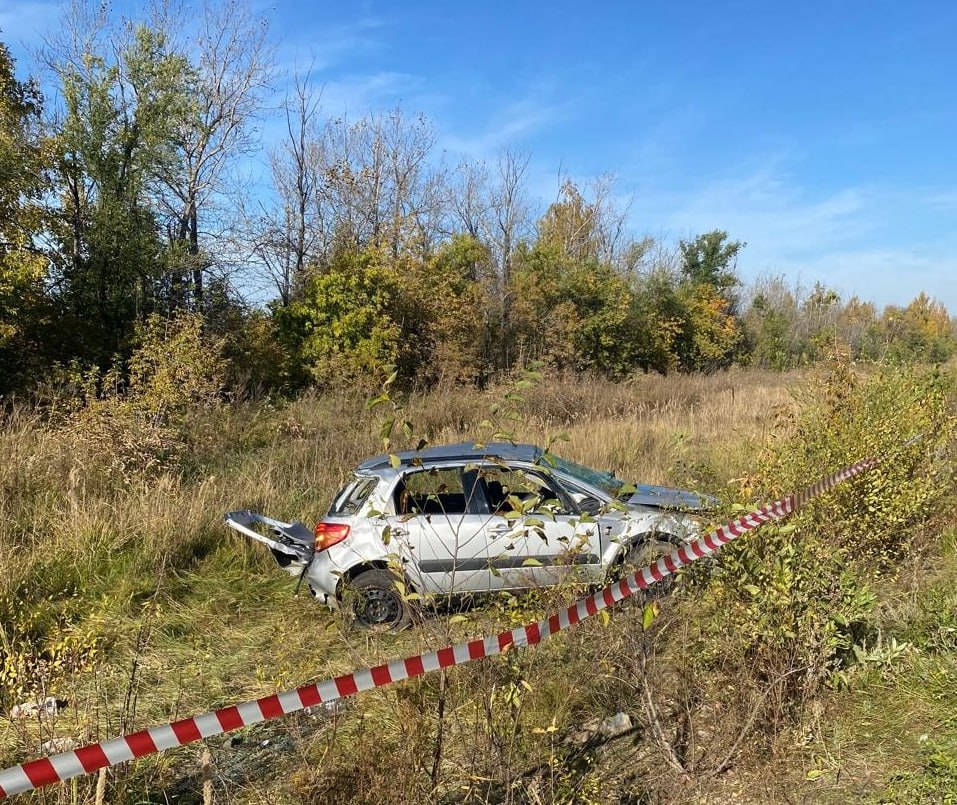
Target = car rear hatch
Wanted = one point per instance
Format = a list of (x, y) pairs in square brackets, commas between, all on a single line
[(292, 544)]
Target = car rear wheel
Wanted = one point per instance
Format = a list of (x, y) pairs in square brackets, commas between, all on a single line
[(375, 602)]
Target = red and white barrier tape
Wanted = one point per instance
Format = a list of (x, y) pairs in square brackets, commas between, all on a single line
[(66, 765)]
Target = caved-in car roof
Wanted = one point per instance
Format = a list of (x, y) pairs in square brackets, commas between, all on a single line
[(467, 451)]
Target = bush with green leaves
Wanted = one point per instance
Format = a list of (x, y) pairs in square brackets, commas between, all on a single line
[(374, 308), (575, 314), (785, 606), (139, 423), (344, 325), (902, 415)]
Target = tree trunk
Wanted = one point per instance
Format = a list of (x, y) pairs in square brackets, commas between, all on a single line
[(194, 254)]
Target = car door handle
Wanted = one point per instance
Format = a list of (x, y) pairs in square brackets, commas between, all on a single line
[(398, 532), (500, 529)]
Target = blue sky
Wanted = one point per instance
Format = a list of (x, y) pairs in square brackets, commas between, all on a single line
[(822, 134)]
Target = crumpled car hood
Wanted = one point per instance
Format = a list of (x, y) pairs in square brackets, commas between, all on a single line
[(666, 497)]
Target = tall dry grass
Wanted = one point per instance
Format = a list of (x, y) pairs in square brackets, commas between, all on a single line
[(121, 590)]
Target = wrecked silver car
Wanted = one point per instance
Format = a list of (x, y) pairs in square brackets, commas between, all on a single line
[(468, 519)]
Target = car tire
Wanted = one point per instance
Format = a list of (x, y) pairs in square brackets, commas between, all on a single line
[(648, 549), (374, 602)]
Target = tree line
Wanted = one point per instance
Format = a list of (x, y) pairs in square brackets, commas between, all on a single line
[(126, 211)]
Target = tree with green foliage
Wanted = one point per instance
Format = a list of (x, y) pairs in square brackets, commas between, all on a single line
[(859, 329), (569, 226), (449, 296), (817, 323), (576, 315), (343, 327), (711, 331), (921, 332), (659, 314), (255, 362), (570, 306), (769, 324), (119, 125), (371, 308), (23, 265), (711, 259), (111, 210)]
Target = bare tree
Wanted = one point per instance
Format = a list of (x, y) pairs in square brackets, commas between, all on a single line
[(347, 185), (233, 62), (469, 200), (416, 198), (588, 223), (510, 210), (381, 182), (490, 203), (510, 220), (610, 221), (294, 231)]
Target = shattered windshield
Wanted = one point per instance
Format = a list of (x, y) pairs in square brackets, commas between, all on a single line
[(604, 481)]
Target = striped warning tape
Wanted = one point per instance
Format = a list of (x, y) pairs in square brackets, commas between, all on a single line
[(66, 765)]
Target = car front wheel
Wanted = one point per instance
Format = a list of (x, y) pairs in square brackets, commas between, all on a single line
[(646, 551), (376, 602)]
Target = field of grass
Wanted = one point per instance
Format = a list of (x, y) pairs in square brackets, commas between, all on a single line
[(122, 593)]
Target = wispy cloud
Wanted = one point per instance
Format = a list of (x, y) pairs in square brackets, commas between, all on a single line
[(357, 95), (849, 239), (331, 47), (508, 126), (945, 200), (763, 208)]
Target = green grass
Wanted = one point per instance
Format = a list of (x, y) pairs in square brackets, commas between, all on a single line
[(892, 737), (122, 587)]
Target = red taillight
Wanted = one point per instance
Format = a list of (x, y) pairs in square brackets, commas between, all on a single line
[(328, 534)]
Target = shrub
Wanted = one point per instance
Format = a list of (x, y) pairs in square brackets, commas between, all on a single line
[(784, 607), (848, 416), (934, 784), (141, 427)]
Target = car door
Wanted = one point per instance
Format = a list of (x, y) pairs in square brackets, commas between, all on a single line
[(544, 538), (441, 535)]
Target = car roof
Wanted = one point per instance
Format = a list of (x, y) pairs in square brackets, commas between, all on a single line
[(467, 451)]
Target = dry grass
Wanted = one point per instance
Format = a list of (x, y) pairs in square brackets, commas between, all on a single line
[(120, 586), (658, 429)]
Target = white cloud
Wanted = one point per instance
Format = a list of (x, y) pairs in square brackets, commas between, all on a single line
[(309, 50), (507, 127), (763, 209), (850, 238), (357, 95)]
